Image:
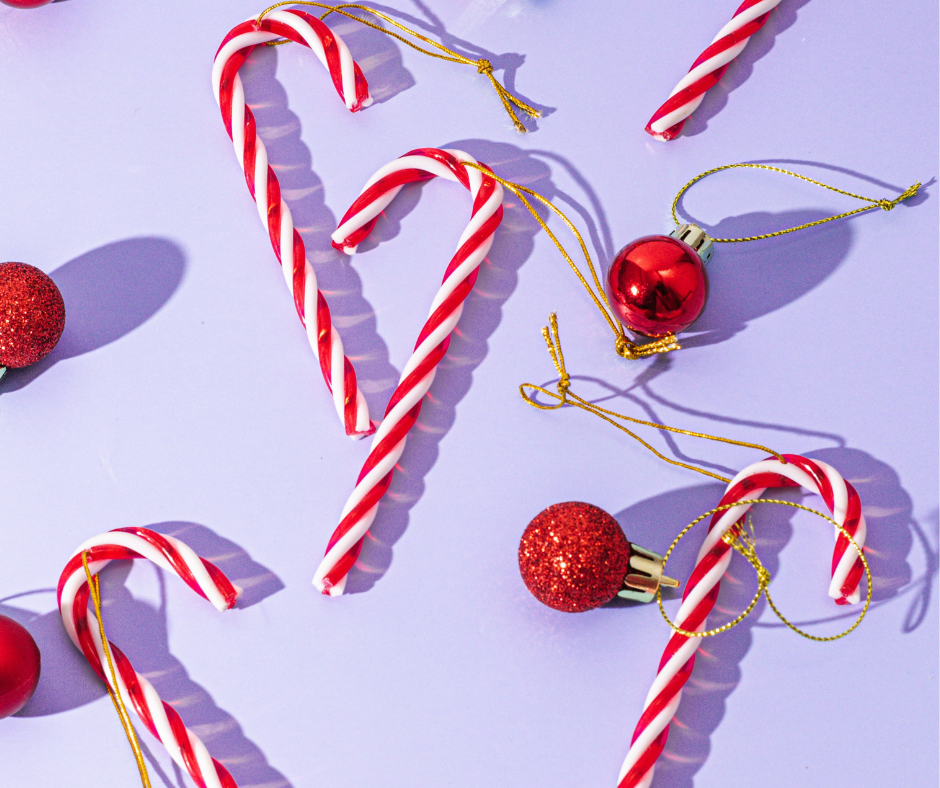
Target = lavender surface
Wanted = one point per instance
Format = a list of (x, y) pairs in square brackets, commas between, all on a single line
[(183, 395)]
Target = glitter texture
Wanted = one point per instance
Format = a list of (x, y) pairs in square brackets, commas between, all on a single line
[(573, 557), (32, 315)]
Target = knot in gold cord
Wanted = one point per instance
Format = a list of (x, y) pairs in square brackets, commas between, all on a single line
[(483, 65), (887, 205), (625, 347), (565, 396), (631, 350)]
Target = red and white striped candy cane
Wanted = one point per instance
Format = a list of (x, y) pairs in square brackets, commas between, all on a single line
[(710, 66), (203, 577), (701, 591), (338, 371), (405, 404)]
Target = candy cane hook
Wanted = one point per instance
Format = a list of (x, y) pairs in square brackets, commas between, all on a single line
[(311, 306), (405, 404), (675, 667), (207, 580)]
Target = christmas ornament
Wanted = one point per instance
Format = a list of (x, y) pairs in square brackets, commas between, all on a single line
[(657, 286), (25, 3), (125, 685), (403, 408), (271, 27), (574, 557), (726, 535), (19, 666), (32, 315), (709, 68)]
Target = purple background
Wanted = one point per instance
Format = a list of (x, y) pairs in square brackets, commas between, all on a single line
[(184, 397)]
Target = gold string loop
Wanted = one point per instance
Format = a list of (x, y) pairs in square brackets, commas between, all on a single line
[(744, 543), (565, 396), (624, 347), (114, 688), (482, 65), (884, 204)]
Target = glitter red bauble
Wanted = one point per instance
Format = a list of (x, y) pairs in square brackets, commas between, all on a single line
[(19, 666), (657, 285), (32, 315), (574, 557), (25, 3)]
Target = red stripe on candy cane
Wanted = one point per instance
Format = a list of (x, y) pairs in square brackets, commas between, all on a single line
[(701, 591), (708, 68), (338, 373), (405, 405), (73, 595)]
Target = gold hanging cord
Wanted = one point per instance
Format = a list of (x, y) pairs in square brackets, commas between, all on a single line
[(885, 205), (633, 350), (566, 396), (744, 543), (113, 689), (482, 65), (623, 346)]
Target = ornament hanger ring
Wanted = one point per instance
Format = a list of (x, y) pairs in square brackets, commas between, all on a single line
[(744, 544)]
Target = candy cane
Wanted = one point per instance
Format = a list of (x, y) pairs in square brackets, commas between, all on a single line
[(405, 404), (710, 66), (203, 577), (338, 371), (675, 667)]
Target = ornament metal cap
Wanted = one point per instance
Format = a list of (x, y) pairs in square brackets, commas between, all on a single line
[(697, 238), (645, 575)]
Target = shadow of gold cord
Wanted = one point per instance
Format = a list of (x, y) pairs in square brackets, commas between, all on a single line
[(482, 65), (115, 693), (624, 347), (567, 397), (633, 350), (745, 544), (885, 205)]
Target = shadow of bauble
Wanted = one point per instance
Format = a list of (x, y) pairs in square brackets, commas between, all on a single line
[(747, 281), (66, 680), (108, 292)]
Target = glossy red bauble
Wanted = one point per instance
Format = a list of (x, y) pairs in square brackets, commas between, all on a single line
[(25, 3), (574, 557), (32, 315), (19, 666), (657, 285)]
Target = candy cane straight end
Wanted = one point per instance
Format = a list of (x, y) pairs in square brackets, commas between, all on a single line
[(350, 84), (709, 68), (327, 588), (663, 136), (403, 408), (344, 248)]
